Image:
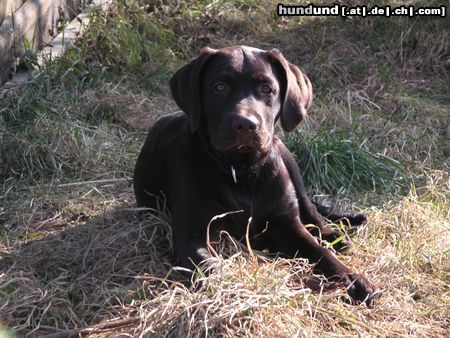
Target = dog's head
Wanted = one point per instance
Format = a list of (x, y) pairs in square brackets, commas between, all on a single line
[(234, 96)]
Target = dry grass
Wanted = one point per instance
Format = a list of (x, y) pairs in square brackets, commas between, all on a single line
[(106, 264), (75, 260)]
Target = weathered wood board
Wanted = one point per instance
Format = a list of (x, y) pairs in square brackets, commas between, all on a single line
[(8, 7), (33, 24)]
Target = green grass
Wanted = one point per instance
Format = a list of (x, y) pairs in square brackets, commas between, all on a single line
[(334, 164), (56, 145)]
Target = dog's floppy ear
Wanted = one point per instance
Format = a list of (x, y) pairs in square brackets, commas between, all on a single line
[(185, 87), (296, 91)]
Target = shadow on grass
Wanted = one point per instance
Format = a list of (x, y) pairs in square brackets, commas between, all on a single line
[(74, 276)]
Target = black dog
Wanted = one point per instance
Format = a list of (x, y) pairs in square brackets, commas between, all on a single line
[(220, 155)]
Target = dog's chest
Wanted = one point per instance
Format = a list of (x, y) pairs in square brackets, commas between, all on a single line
[(259, 197)]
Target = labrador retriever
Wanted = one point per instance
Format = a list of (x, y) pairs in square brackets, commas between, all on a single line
[(221, 154)]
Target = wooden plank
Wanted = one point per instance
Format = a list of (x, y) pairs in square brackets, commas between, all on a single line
[(60, 44), (13, 30), (14, 27), (34, 22), (7, 7), (64, 40)]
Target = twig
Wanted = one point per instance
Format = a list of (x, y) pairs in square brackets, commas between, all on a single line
[(71, 184), (247, 239), (108, 180), (208, 240), (101, 327)]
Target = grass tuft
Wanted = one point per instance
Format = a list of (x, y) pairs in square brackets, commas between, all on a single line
[(336, 165)]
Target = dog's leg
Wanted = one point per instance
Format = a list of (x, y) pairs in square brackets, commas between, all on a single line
[(309, 214), (190, 240), (350, 219), (289, 236)]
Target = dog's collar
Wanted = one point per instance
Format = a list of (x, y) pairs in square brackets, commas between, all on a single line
[(233, 173), (235, 170)]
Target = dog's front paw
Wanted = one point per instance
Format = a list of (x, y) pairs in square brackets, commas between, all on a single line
[(357, 219), (360, 289)]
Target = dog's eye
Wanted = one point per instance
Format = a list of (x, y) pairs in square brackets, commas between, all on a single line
[(266, 89), (220, 87)]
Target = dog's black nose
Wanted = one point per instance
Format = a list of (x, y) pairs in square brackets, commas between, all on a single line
[(245, 124)]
